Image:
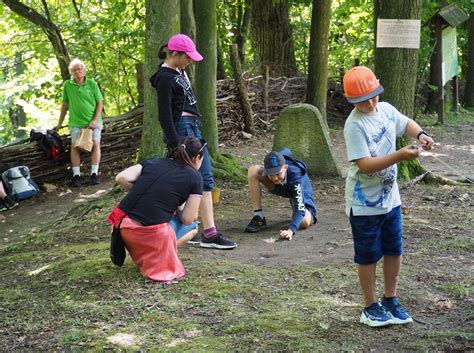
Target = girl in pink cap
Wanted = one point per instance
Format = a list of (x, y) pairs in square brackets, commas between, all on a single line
[(179, 116)]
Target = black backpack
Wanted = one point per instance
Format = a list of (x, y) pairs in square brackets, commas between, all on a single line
[(49, 141)]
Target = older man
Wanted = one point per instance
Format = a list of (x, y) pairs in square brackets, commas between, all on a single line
[(83, 99)]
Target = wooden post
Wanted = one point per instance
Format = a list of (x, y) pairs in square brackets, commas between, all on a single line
[(455, 94), (439, 67), (266, 75)]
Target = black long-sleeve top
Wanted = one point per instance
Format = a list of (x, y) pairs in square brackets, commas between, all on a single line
[(175, 96)]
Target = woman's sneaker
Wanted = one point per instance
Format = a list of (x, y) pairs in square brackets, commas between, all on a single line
[(217, 242), (376, 316), (397, 311), (196, 240)]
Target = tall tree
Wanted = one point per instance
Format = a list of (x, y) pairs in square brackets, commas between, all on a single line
[(162, 21), (188, 27), (316, 93), (272, 36), (47, 25), (206, 42), (469, 90), (396, 69), (241, 27)]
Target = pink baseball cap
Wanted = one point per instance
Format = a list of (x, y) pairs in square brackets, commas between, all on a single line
[(182, 43)]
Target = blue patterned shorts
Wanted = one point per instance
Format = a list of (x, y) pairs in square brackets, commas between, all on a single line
[(377, 236)]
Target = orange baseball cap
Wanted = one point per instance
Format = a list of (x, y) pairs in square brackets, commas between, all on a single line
[(360, 84)]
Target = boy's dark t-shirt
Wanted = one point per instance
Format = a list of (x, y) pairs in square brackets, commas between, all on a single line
[(157, 204)]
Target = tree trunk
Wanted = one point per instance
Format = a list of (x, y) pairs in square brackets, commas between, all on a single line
[(220, 74), (469, 90), (52, 32), (188, 27), (396, 68), (272, 37), (316, 93), (162, 21), (206, 42), (242, 29), (140, 82), (243, 95), (16, 112)]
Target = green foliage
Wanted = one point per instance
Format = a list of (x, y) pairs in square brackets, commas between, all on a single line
[(106, 35), (225, 166)]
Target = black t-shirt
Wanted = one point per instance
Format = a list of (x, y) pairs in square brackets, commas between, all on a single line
[(156, 204), (175, 96)]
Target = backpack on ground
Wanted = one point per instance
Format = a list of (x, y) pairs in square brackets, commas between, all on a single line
[(19, 184), (49, 141)]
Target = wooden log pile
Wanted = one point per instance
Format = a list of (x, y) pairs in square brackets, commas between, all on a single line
[(120, 140), (122, 134)]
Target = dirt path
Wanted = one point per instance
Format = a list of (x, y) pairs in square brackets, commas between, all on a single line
[(328, 241)]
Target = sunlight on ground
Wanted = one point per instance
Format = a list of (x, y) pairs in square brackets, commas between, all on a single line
[(124, 339), (186, 335), (38, 270), (82, 197), (64, 193)]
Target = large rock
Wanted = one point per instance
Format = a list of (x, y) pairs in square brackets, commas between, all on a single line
[(301, 128)]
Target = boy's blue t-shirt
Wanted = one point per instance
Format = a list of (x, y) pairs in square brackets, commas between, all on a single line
[(372, 135)]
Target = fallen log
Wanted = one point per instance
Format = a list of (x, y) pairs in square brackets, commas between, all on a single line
[(120, 140)]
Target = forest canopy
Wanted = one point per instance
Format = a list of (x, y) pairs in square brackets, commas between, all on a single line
[(109, 37)]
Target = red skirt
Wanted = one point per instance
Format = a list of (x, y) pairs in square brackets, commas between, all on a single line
[(153, 249)]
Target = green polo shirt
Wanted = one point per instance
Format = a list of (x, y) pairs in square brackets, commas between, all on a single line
[(82, 101)]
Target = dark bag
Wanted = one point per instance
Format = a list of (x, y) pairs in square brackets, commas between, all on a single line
[(49, 141), (117, 247)]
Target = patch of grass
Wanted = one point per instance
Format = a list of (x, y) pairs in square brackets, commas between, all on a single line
[(452, 118), (462, 335), (457, 242), (457, 289)]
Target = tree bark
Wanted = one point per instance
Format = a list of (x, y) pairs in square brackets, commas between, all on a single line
[(396, 68), (162, 21), (220, 74), (272, 36), (242, 29), (188, 27), (469, 90), (52, 32), (206, 42), (243, 95), (316, 93)]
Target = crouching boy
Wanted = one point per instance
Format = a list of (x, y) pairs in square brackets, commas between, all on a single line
[(372, 195), (287, 177)]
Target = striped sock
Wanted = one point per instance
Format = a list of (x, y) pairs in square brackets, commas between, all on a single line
[(210, 232)]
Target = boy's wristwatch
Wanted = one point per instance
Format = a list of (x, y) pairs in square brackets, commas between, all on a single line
[(422, 132)]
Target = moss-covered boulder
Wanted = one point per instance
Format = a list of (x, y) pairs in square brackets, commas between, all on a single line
[(301, 128)]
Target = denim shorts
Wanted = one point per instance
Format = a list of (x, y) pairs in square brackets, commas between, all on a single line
[(179, 228), (96, 134), (188, 126), (377, 236)]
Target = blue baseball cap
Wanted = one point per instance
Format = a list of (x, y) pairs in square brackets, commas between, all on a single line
[(273, 163)]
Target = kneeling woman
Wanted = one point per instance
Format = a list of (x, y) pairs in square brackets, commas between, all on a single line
[(161, 205)]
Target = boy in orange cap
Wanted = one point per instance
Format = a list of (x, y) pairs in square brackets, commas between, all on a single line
[(372, 195)]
